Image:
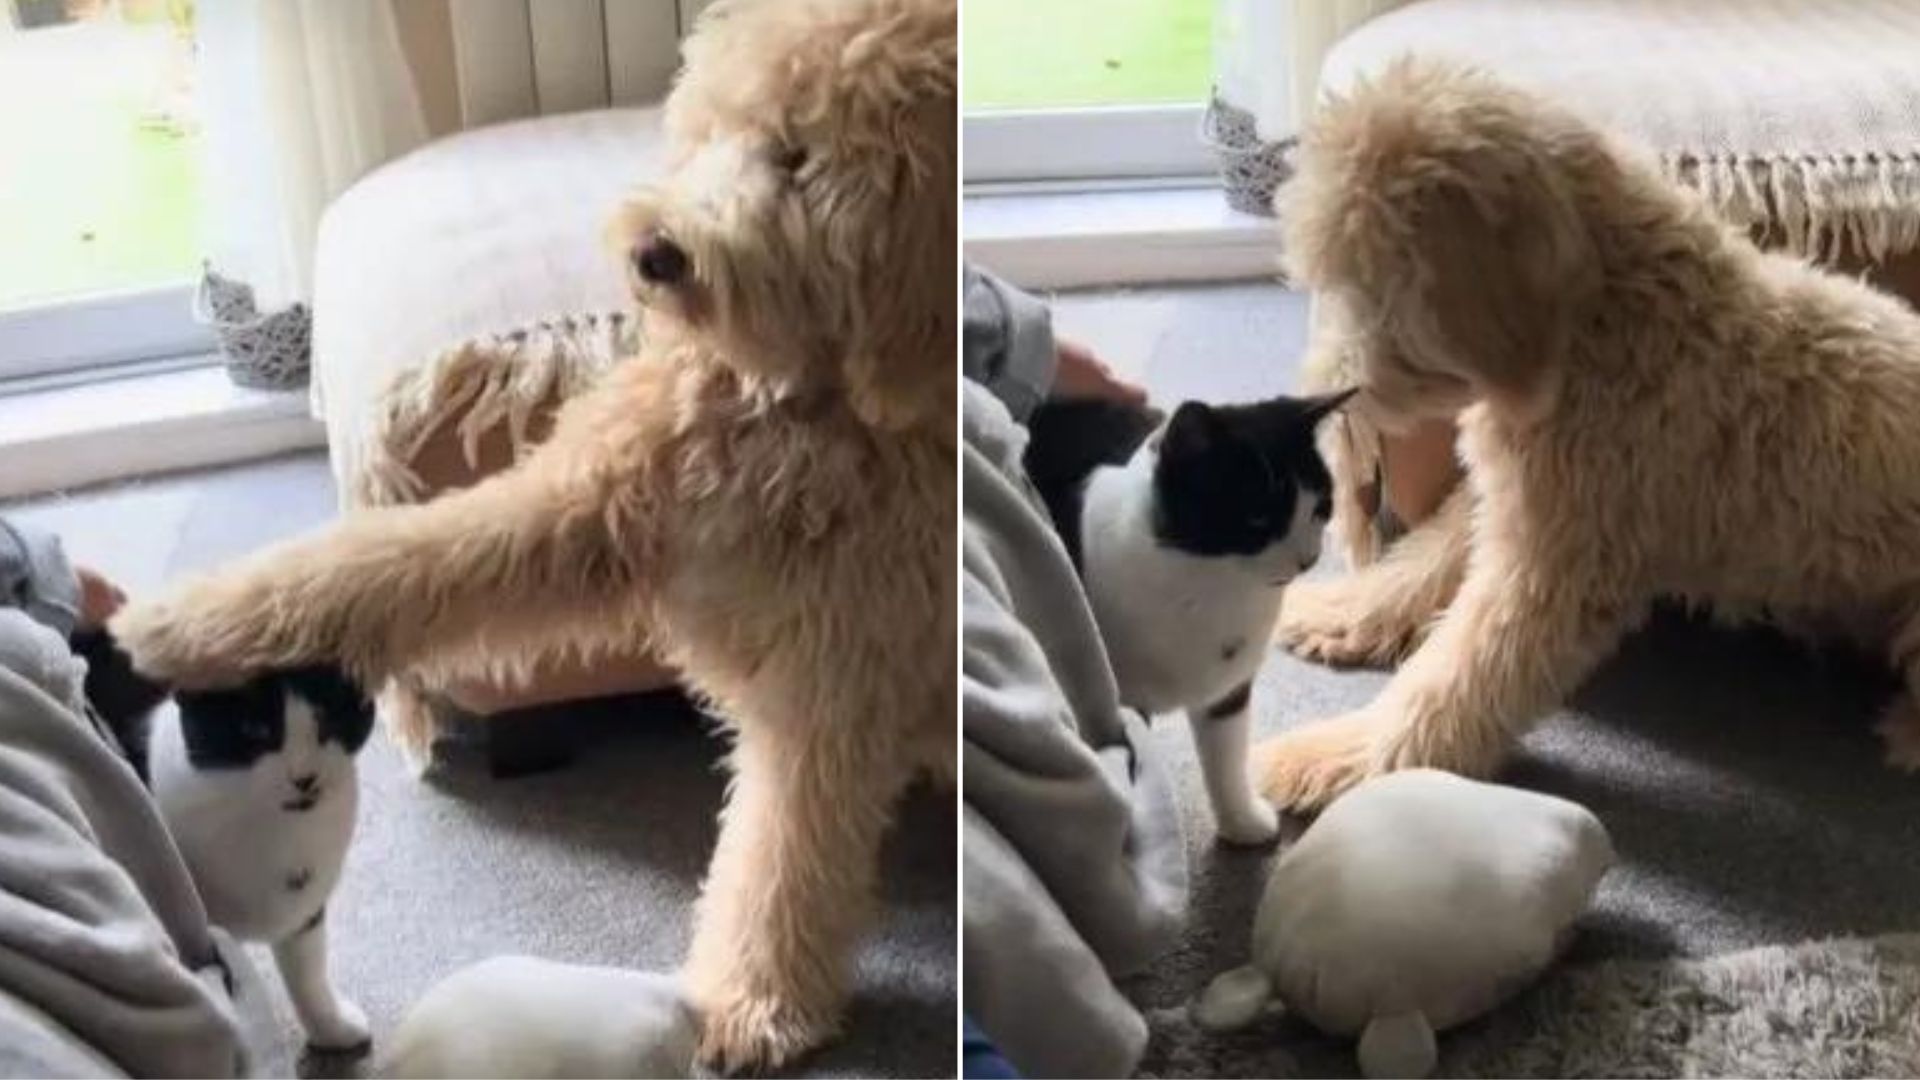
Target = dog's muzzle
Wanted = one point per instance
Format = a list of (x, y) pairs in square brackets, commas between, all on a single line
[(660, 261)]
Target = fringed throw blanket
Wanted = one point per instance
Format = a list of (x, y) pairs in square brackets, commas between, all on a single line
[(497, 382)]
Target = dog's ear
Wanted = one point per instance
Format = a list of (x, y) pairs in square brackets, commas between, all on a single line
[(901, 362), (1508, 264), (1449, 208), (899, 368)]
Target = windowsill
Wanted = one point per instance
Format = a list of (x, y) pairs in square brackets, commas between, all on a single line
[(1049, 239), (138, 425)]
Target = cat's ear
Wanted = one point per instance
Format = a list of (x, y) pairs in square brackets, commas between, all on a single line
[(1193, 433), (1316, 409), (347, 712)]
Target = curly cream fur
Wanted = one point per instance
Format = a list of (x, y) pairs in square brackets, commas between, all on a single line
[(1649, 406), (765, 496)]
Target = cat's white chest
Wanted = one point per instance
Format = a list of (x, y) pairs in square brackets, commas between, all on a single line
[(265, 842), (1181, 630)]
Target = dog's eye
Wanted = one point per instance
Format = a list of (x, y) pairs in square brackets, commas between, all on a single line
[(790, 159)]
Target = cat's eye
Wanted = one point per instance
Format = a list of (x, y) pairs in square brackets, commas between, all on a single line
[(1323, 509)]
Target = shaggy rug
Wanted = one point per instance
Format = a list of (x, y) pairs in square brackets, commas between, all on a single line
[(1848, 1007)]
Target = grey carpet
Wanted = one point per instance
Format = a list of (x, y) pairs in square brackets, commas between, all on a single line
[(597, 863), (1737, 772)]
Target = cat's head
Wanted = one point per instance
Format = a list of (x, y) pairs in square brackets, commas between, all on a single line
[(1245, 480), (296, 729)]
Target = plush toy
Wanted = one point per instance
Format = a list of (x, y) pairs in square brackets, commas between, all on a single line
[(517, 1016), (1416, 902)]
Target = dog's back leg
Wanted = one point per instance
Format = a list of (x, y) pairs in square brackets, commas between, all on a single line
[(1377, 614), (791, 884)]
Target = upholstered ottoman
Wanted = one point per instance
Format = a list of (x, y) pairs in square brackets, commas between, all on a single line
[(1797, 119), (460, 294)]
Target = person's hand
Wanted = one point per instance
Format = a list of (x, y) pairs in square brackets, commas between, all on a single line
[(99, 598), (1080, 376)]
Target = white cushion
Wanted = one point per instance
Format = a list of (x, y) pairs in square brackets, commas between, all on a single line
[(517, 1016), (1416, 902), (484, 232)]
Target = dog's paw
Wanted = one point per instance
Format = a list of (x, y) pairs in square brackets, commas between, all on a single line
[(1336, 623), (1309, 767), (754, 1034), (209, 633), (346, 1031), (1899, 730), (165, 644)]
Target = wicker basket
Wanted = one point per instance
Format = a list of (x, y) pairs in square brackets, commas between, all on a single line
[(264, 352), (1251, 170)]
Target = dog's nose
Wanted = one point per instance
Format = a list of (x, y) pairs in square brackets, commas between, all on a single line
[(660, 261), (305, 784)]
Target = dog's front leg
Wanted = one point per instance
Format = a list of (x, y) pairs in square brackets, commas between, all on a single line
[(1376, 614), (790, 887), (381, 588), (1517, 638)]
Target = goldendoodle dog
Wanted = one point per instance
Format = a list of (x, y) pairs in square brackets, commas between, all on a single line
[(1649, 406), (765, 495)]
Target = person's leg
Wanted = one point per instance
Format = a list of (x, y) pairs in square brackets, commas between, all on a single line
[(101, 929), (1075, 868)]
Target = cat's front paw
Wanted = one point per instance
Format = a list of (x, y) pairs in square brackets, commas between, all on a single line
[(1253, 825), (1337, 623), (751, 1034), (346, 1031)]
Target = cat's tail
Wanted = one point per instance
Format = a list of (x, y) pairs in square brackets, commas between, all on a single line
[(123, 698)]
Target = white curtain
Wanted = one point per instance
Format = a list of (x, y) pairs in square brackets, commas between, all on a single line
[(1269, 54), (299, 98)]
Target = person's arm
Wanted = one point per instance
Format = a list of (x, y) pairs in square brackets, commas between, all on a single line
[(36, 577), (1007, 342)]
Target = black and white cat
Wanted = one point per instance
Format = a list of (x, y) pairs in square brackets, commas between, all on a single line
[(257, 785), (1185, 533)]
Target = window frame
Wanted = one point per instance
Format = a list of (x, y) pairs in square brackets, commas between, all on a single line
[(71, 335), (1097, 144)]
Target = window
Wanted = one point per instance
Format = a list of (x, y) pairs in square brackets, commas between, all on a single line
[(1086, 89), (100, 194)]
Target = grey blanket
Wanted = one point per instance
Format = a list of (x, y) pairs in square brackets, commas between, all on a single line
[(1075, 869), (107, 963)]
